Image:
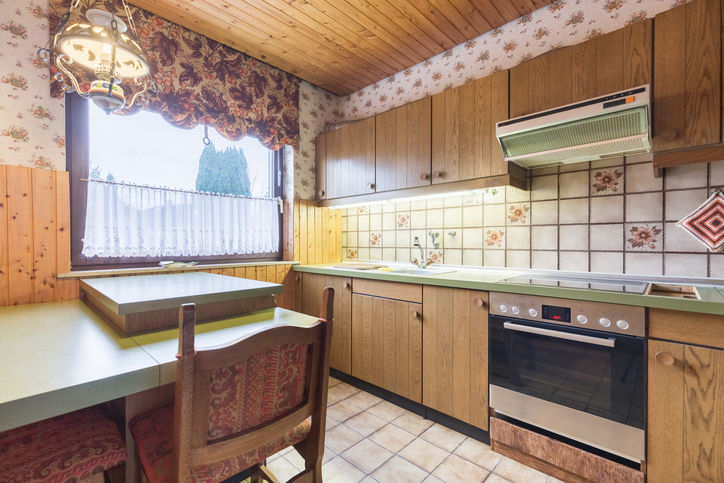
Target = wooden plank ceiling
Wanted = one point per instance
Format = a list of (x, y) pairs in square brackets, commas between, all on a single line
[(341, 45)]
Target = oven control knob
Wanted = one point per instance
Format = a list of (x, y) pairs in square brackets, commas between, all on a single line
[(604, 322), (504, 308), (622, 324), (533, 312), (582, 319), (515, 310)]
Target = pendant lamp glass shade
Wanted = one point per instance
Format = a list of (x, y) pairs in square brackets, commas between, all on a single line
[(103, 47)]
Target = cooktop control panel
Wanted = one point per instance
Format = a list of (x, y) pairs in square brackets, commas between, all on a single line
[(621, 319)]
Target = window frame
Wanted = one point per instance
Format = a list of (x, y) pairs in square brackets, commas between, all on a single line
[(77, 133)]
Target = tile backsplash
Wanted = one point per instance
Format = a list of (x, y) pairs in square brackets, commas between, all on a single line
[(608, 216)]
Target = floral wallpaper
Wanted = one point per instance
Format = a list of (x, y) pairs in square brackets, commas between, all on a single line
[(563, 23), (32, 123)]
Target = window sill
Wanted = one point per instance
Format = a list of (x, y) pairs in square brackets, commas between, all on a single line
[(157, 270)]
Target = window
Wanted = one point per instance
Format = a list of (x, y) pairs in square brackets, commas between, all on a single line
[(143, 191)]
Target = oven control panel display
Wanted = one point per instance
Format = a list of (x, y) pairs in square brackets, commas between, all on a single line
[(559, 314)]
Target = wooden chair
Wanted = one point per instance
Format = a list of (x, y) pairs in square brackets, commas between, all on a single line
[(238, 404), (77, 446)]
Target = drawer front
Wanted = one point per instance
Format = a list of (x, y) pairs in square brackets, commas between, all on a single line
[(389, 290)]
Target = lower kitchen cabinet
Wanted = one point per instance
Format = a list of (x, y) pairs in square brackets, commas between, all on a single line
[(340, 357), (455, 353), (387, 344), (685, 397)]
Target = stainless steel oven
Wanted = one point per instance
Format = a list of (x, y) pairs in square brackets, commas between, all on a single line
[(570, 367)]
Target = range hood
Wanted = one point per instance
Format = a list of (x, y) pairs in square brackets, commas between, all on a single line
[(604, 127)]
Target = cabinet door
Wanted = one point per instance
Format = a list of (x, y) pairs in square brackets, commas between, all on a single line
[(464, 145), (402, 144), (455, 353), (609, 63), (687, 76), (346, 161), (312, 285), (320, 170), (686, 413), (387, 344)]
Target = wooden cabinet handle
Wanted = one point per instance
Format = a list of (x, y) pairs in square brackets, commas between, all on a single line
[(321, 193), (413, 313), (437, 174), (370, 186), (297, 278), (668, 136), (423, 176), (664, 358), (478, 302), (345, 284)]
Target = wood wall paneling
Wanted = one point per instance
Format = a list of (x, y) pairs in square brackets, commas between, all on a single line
[(35, 241), (317, 233)]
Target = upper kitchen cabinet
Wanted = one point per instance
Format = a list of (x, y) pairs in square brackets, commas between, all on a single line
[(609, 63), (346, 161), (687, 84), (402, 144), (464, 145)]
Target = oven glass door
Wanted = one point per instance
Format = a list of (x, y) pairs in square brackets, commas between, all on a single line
[(598, 373)]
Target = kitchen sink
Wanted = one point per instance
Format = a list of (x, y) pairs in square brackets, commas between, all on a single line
[(420, 271)]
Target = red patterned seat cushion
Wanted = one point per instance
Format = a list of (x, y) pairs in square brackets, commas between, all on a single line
[(153, 434), (63, 449), (256, 390)]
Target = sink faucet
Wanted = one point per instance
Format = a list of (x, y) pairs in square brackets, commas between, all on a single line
[(419, 262)]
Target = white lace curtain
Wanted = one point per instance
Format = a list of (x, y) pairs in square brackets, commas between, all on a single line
[(139, 221)]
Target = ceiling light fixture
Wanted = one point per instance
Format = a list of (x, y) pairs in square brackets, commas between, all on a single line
[(102, 46)]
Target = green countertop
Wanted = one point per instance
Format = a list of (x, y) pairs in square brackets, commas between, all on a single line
[(712, 298), (129, 295), (61, 356)]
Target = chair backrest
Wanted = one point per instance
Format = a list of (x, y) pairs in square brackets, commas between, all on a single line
[(235, 398)]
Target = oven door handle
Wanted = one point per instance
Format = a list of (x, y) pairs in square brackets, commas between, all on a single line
[(560, 335)]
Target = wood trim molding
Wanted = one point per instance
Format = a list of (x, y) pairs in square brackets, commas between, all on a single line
[(468, 185), (690, 328), (700, 154)]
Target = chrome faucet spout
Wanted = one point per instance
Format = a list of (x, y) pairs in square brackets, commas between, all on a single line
[(420, 262)]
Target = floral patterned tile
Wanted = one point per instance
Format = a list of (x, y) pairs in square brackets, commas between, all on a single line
[(608, 181), (403, 220), (474, 199), (376, 239), (363, 210), (352, 254), (435, 256), (494, 238), (644, 237), (518, 213)]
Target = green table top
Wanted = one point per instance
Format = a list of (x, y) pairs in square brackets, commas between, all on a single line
[(129, 295), (61, 356), (712, 297)]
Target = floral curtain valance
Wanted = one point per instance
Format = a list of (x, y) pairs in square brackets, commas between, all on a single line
[(204, 82)]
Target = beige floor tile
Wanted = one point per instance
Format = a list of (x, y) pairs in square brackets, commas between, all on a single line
[(367, 455), (493, 478), (365, 423), (343, 390), (328, 454), (286, 450), (443, 437), (424, 454), (332, 399), (413, 423), (519, 473), (333, 381), (341, 438), (397, 470), (295, 459), (282, 469), (331, 423), (342, 411), (479, 453), (432, 479), (458, 470), (369, 479), (392, 437), (339, 470), (364, 400), (386, 410), (554, 480)]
